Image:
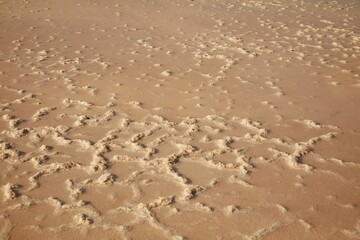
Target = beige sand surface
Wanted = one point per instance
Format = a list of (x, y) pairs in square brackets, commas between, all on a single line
[(176, 119)]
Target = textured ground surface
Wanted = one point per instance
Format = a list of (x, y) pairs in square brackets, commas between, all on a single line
[(173, 119)]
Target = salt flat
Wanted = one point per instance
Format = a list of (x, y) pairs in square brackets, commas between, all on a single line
[(169, 119)]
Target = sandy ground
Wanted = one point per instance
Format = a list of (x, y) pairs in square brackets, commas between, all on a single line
[(174, 119)]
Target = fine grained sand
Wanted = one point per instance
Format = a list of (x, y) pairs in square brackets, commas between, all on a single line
[(174, 119)]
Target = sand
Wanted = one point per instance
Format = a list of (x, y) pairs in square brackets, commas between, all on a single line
[(175, 119)]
